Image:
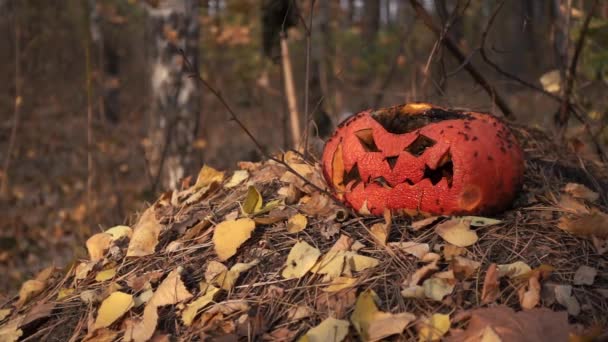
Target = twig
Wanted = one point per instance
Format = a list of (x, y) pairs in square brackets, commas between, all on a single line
[(497, 68), (17, 111), (290, 92), (307, 78), (561, 118), (461, 58), (233, 116)]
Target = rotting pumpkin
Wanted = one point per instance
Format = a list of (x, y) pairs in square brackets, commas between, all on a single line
[(422, 159)]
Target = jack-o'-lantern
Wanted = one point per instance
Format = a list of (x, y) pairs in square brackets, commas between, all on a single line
[(419, 158)]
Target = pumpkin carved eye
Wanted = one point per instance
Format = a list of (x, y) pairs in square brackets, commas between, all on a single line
[(366, 138), (445, 169), (419, 145)]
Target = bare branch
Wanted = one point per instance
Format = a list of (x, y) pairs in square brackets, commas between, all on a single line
[(461, 58), (234, 117)]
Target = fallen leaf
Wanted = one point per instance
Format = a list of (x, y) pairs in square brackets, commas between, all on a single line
[(340, 283), (551, 81), (437, 288), (299, 312), (450, 251), (371, 323), (464, 267), (97, 245), (513, 270), (572, 205), (194, 308), (585, 275), (302, 257), (106, 274), (112, 308), (226, 279), (253, 201), (581, 191), (415, 291), (331, 264), (433, 328), (208, 175), (145, 235), (33, 287), (530, 297), (170, 291), (457, 232), (238, 177), (359, 262), (330, 329), (417, 225), (592, 224), (478, 221), (296, 223), (101, 335), (230, 235), (563, 295), (538, 324), (490, 290), (5, 313), (381, 231), (420, 273), (10, 331), (413, 248), (118, 232)]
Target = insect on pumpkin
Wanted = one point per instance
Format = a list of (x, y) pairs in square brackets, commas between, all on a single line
[(419, 158)]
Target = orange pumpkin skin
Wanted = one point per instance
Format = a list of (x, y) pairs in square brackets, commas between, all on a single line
[(419, 158)]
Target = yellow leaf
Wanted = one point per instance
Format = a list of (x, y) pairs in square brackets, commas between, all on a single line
[(253, 201), (112, 308), (551, 81), (332, 264), (433, 328), (330, 329), (194, 308), (360, 262), (83, 269), (456, 232), (10, 332), (437, 288), (478, 221), (302, 257), (464, 267), (299, 312), (97, 245), (208, 175), (171, 291), (119, 231), (513, 270), (238, 177), (28, 290), (230, 235), (373, 324), (415, 291), (340, 283), (226, 279), (106, 274), (416, 249), (296, 223), (145, 235), (4, 313)]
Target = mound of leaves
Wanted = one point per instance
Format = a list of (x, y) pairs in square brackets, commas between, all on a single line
[(264, 254)]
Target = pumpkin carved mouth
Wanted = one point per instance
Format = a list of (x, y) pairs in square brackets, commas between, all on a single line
[(422, 158)]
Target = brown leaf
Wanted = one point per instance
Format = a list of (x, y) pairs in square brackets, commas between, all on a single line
[(490, 290), (539, 324), (581, 191), (592, 224)]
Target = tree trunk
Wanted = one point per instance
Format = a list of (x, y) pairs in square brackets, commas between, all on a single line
[(371, 19), (173, 116)]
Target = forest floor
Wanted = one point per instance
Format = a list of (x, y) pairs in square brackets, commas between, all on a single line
[(536, 256)]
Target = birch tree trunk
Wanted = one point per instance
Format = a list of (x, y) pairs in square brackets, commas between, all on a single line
[(174, 112)]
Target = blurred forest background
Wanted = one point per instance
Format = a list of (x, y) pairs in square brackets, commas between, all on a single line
[(98, 112)]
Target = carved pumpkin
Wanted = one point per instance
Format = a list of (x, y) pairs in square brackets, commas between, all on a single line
[(419, 158)]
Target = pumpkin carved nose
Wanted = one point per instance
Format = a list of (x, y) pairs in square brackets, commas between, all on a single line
[(423, 158)]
